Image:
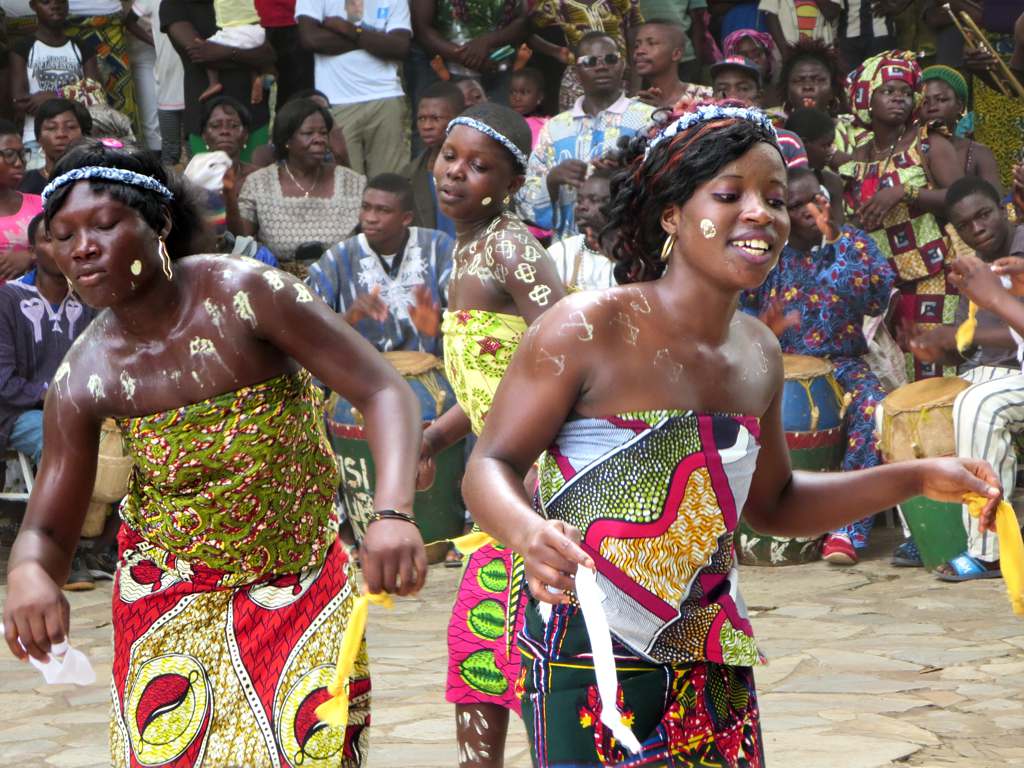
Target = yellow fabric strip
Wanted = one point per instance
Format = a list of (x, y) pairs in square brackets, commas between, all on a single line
[(1011, 547), (471, 542), (334, 711), (965, 333)]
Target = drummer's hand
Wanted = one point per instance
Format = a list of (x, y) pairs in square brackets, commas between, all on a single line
[(36, 611), (367, 305), (948, 479), (425, 313), (928, 346), (551, 557), (1013, 268), (976, 280), (778, 320), (393, 558), (426, 469)]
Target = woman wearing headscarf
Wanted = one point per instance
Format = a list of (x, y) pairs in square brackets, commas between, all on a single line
[(760, 49)]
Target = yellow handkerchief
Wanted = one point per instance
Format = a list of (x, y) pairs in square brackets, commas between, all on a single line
[(334, 711), (471, 542), (1011, 547), (965, 333)]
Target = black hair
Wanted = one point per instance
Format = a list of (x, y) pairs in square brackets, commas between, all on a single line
[(534, 76), (675, 27), (308, 93), (810, 124), (668, 175), (187, 222), (57, 106), (812, 49), (7, 128), (290, 118), (33, 227), (244, 116), (798, 172), (508, 123), (446, 91), (589, 37), (394, 184), (602, 172), (966, 186)]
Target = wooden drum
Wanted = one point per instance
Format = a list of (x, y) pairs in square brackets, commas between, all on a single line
[(813, 409), (113, 469), (917, 422), (439, 509)]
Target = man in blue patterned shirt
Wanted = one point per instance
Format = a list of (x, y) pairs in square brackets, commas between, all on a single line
[(573, 139)]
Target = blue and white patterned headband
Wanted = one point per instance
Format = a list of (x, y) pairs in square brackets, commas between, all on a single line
[(107, 174), (486, 130), (706, 113)]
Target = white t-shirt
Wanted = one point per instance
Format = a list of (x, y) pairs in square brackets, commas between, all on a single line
[(580, 267), (50, 68), (357, 76), (170, 76)]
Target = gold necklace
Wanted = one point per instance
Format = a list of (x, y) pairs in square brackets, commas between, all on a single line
[(306, 192)]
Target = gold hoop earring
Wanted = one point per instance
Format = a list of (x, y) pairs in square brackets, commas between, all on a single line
[(666, 249), (507, 200), (165, 259)]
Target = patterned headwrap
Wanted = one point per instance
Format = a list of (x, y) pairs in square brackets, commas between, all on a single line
[(949, 76), (763, 39), (107, 174), (520, 157), (887, 67), (710, 113)]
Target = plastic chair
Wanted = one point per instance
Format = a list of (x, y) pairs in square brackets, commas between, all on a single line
[(26, 475)]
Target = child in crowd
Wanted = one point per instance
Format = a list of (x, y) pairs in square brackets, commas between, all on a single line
[(818, 133), (472, 91), (525, 96), (44, 64), (239, 27)]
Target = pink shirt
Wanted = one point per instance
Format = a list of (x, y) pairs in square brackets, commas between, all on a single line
[(14, 228), (536, 123)]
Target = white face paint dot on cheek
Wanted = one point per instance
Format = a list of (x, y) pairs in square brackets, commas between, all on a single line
[(136, 267)]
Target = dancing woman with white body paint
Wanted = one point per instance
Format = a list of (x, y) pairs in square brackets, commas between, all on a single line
[(232, 589), (661, 425)]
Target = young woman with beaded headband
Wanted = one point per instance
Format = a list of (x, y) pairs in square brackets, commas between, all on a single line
[(502, 280), (658, 406), (229, 545)]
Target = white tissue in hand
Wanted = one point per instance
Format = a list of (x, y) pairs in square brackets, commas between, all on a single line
[(66, 666)]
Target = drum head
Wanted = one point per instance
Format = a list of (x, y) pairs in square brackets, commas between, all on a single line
[(805, 367), (927, 393)]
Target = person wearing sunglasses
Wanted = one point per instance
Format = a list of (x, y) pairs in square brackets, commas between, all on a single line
[(573, 139), (16, 208)]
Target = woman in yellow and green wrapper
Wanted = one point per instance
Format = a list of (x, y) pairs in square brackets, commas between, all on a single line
[(502, 281), (232, 590), (895, 187)]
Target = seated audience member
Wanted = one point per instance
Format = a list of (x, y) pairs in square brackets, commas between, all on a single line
[(391, 280), (440, 104), (16, 208), (572, 139), (58, 123), (301, 200), (759, 48), (42, 65), (988, 415), (526, 96), (472, 91), (581, 259), (657, 50), (39, 319), (225, 128), (738, 79), (945, 101), (814, 78), (263, 155), (189, 25), (817, 131), (815, 301)]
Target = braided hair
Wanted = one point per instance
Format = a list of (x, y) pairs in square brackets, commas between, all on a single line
[(668, 174)]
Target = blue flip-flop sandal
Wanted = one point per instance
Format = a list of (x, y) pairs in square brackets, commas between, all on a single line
[(967, 568)]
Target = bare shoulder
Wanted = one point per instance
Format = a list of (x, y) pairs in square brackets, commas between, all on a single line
[(765, 343), (88, 374), (240, 279)]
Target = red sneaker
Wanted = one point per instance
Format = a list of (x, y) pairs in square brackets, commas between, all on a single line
[(838, 550)]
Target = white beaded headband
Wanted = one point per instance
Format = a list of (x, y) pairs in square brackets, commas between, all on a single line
[(107, 174), (487, 130), (708, 112)]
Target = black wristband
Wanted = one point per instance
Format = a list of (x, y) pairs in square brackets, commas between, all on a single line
[(390, 514)]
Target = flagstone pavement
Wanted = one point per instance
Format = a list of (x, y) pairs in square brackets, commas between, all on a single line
[(870, 666)]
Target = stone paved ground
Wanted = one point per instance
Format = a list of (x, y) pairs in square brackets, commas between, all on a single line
[(870, 666)]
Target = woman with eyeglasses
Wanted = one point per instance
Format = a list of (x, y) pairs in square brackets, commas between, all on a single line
[(16, 208), (616, 18)]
